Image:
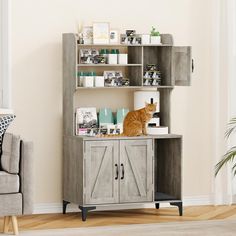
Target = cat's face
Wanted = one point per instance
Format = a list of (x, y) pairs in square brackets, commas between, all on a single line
[(150, 108)]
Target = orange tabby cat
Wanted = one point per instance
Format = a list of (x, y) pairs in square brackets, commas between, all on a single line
[(135, 121)]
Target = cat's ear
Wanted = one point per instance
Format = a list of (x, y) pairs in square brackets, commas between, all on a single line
[(146, 104), (155, 103)]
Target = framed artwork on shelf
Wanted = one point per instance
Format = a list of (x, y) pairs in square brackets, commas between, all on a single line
[(114, 36), (87, 34), (101, 33)]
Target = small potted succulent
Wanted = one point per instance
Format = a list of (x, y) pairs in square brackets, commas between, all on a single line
[(155, 36)]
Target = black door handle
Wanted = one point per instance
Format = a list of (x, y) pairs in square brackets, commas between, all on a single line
[(122, 171), (193, 66), (117, 172)]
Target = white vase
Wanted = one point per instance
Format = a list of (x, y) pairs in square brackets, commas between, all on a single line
[(155, 39), (145, 39)]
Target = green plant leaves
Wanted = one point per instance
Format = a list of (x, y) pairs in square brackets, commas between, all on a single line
[(230, 155)]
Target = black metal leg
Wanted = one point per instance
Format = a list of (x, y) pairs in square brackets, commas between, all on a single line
[(179, 205), (85, 210), (157, 205), (64, 205)]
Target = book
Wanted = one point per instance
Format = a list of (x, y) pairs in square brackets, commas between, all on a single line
[(86, 118)]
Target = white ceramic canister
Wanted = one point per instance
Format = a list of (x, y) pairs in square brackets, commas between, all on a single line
[(99, 81), (145, 38), (123, 58)]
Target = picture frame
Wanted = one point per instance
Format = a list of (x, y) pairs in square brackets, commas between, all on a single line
[(114, 36), (101, 33), (87, 34)]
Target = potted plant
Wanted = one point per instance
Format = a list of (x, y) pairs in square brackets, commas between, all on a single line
[(230, 154), (155, 36)]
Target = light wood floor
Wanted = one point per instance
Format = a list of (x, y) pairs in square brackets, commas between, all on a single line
[(142, 216)]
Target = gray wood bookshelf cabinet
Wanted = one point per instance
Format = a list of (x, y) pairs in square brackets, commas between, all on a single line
[(122, 170)]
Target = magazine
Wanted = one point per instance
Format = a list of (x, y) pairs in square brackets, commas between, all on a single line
[(86, 118)]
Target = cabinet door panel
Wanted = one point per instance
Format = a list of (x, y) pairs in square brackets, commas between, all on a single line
[(101, 161), (136, 168), (181, 66)]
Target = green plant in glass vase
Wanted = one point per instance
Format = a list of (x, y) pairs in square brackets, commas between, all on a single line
[(231, 153)]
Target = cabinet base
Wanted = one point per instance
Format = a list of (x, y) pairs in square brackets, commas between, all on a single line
[(64, 205), (178, 204), (85, 210)]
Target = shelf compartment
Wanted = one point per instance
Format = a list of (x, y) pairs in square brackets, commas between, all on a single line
[(167, 158), (163, 197), (162, 57)]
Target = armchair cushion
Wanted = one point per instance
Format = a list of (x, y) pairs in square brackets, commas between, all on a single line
[(11, 153), (9, 183)]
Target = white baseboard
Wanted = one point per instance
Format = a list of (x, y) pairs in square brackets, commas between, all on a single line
[(45, 208)]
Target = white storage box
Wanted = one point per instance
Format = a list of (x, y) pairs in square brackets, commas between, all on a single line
[(112, 58), (99, 81), (157, 130), (88, 81), (145, 39), (123, 59)]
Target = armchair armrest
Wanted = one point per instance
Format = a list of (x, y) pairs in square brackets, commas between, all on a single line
[(26, 176)]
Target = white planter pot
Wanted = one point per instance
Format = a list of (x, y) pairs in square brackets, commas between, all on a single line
[(145, 39), (155, 39)]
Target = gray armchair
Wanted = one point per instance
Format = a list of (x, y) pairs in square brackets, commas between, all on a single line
[(16, 174)]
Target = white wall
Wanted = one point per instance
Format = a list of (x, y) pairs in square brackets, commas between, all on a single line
[(37, 78)]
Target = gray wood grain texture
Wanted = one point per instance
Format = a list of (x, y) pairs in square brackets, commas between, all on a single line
[(135, 76), (73, 172), (69, 81), (167, 39), (161, 56), (101, 187), (168, 163), (165, 108), (135, 55), (136, 157), (181, 65)]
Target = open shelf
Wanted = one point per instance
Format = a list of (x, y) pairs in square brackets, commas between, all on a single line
[(168, 176), (107, 65), (125, 45), (128, 87), (163, 197)]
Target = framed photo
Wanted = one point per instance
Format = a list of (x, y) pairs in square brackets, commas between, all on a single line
[(114, 36), (88, 34), (101, 33)]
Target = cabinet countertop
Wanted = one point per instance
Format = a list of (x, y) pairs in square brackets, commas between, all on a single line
[(163, 136)]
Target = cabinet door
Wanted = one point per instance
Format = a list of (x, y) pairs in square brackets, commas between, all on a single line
[(181, 66), (136, 171), (101, 172)]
